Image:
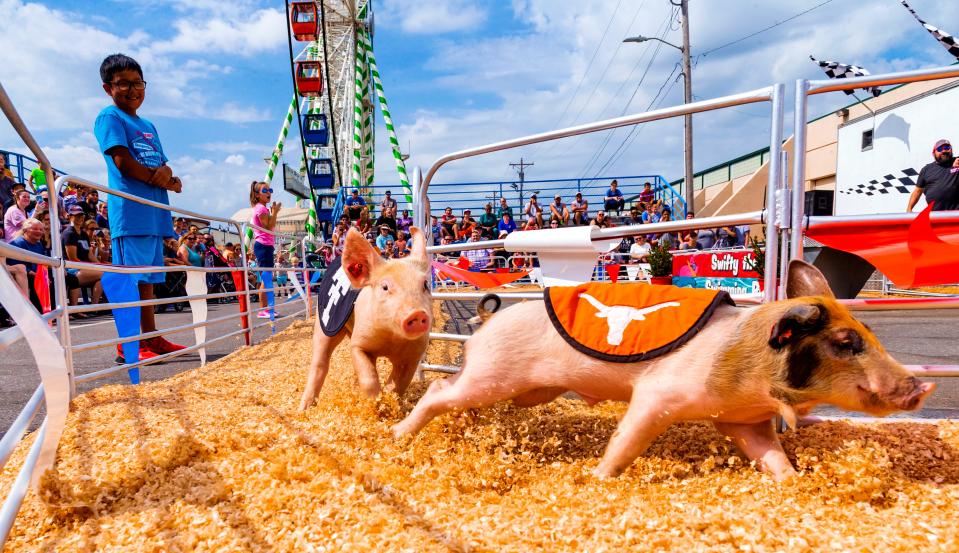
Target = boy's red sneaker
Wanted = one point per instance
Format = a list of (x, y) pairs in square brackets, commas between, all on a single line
[(161, 345), (145, 354)]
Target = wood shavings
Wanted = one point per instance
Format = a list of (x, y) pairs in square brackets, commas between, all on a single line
[(220, 459)]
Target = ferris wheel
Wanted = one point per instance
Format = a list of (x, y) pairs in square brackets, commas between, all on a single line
[(337, 89)]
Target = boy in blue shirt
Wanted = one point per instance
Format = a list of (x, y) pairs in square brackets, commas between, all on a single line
[(136, 165)]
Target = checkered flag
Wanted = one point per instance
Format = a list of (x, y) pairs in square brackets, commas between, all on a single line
[(948, 41), (836, 70)]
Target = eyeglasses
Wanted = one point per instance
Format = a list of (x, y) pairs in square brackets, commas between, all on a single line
[(124, 86), (190, 238), (266, 191), (944, 148)]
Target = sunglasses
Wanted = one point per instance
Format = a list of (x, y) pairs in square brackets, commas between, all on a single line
[(266, 191), (944, 148), (191, 238)]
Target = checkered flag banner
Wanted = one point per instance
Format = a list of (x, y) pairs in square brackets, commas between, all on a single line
[(836, 70), (948, 41)]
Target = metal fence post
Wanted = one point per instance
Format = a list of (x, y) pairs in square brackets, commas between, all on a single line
[(246, 282), (60, 282), (799, 170), (775, 168)]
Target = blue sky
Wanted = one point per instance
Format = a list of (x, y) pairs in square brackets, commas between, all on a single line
[(457, 73)]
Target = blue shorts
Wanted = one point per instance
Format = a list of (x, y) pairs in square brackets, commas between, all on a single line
[(140, 251), (263, 255)]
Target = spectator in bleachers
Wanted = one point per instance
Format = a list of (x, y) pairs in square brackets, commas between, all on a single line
[(706, 238), (103, 218), (558, 210), (6, 184), (651, 215), (29, 237), (402, 244), (384, 237), (436, 229), (189, 254), (668, 239), (533, 210), (404, 222), (614, 198), (387, 217), (503, 208), (725, 237), (552, 224), (506, 223), (364, 224), (170, 257), (179, 227), (89, 204), (647, 195), (639, 251), (466, 226), (487, 221), (106, 245), (18, 273), (17, 213), (38, 178), (448, 223), (79, 245), (388, 251), (580, 208), (601, 220), (479, 259), (388, 203), (354, 205), (533, 224)]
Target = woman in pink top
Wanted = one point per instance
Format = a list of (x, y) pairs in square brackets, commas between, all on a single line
[(15, 216), (263, 217)]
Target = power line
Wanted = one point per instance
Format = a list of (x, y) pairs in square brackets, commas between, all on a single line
[(763, 30), (589, 65), (664, 29)]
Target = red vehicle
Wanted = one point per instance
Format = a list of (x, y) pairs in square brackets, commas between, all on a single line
[(304, 21), (309, 78)]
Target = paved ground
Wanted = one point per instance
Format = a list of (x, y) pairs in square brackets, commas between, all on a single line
[(913, 337)]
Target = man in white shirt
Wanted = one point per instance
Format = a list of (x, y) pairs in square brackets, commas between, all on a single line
[(639, 251)]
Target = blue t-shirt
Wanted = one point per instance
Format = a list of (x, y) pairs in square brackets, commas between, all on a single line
[(610, 193), (508, 227), (114, 127), (350, 201), (21, 242)]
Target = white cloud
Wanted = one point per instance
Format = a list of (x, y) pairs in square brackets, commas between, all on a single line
[(259, 31), (434, 17), (235, 159)]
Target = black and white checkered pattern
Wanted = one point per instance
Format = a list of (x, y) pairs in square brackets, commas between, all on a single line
[(836, 70), (948, 41), (887, 184)]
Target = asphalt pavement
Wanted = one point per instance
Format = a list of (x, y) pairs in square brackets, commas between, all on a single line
[(912, 337)]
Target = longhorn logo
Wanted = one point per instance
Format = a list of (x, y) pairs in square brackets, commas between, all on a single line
[(618, 317)]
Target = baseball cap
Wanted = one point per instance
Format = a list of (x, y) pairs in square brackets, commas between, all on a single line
[(940, 143), (356, 190), (387, 227), (75, 210), (503, 233), (467, 211)]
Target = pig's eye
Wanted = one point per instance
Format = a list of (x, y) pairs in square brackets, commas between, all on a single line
[(385, 286), (848, 343), (426, 285)]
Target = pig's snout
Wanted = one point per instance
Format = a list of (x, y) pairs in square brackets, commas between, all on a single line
[(416, 323), (913, 400)]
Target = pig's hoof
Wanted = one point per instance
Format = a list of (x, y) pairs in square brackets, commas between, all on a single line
[(399, 432), (604, 473)]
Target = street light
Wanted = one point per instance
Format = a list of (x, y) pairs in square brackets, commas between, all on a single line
[(687, 98), (645, 38)]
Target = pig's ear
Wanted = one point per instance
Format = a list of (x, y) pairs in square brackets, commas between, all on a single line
[(418, 250), (797, 322), (806, 280), (359, 259)]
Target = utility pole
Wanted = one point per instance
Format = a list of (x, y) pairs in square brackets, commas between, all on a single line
[(688, 99), (522, 178)]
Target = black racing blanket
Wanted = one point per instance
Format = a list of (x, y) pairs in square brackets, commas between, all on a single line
[(336, 299)]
